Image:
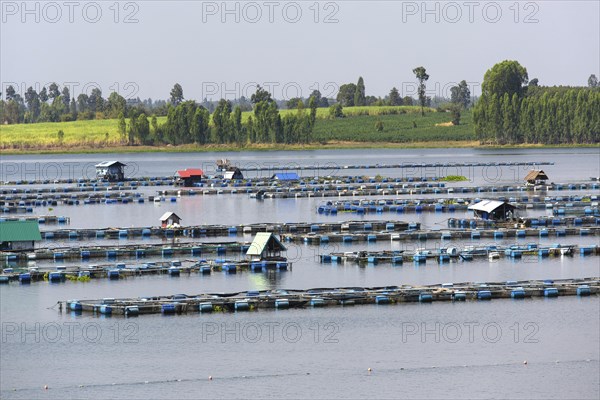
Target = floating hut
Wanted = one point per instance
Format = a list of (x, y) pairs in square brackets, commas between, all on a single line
[(233, 173), (493, 210), (536, 177), (223, 164), (189, 176), (19, 235), (286, 176), (266, 246), (113, 171), (170, 219)]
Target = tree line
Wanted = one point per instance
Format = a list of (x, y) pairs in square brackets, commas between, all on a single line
[(189, 122), (514, 110)]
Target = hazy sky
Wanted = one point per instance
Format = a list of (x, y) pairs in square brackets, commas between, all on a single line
[(217, 49)]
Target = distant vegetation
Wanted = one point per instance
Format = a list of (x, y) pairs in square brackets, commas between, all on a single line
[(512, 110)]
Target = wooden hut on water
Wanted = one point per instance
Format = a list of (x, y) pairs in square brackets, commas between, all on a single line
[(266, 246), (112, 171), (493, 210), (19, 235), (169, 219), (189, 177), (536, 177)]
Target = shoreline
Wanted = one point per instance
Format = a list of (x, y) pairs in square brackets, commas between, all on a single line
[(334, 145)]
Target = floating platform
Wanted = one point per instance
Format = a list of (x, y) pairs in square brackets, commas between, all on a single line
[(227, 230), (468, 253), (41, 219), (423, 235), (324, 297)]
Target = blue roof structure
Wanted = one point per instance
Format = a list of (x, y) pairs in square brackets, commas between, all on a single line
[(286, 176)]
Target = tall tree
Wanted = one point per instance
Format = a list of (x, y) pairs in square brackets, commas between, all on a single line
[(359, 93), (422, 77), (505, 77), (176, 94), (53, 91), (460, 94), (592, 81), (345, 95), (394, 98)]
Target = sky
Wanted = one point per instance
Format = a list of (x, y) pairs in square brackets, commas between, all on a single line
[(218, 49)]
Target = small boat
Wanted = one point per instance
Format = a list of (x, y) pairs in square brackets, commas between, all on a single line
[(494, 255)]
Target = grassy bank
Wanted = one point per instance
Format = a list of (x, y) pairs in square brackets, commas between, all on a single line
[(400, 125)]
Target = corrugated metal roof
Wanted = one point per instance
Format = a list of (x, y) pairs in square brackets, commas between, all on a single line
[(168, 214), (109, 164), (19, 231), (260, 242), (286, 176), (488, 205), (189, 172)]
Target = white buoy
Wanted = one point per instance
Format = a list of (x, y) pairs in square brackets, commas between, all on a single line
[(210, 378), (525, 362), (45, 387), (369, 369)]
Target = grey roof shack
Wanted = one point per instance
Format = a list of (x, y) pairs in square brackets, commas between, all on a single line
[(493, 210), (112, 171)]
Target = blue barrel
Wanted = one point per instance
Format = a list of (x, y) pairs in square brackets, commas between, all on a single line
[(516, 253), (382, 300), (444, 258), (257, 267), (315, 228), (205, 269), (25, 278), (397, 259), (419, 258), (347, 239), (123, 233), (459, 296), (390, 226), (230, 268), (146, 232), (317, 302), (372, 260), (232, 230), (167, 252), (113, 274), (586, 250), (131, 311), (584, 232), (577, 221), (368, 227), (58, 256), (174, 271), (543, 232), (241, 305), (169, 232), (169, 308), (583, 290), (111, 254), (221, 250), (107, 310), (206, 307), (282, 303), (325, 258), (484, 295), (49, 235), (551, 292), (425, 297), (4, 279), (74, 305), (475, 235), (282, 265), (55, 277), (498, 234), (324, 239), (62, 220), (521, 233), (99, 234), (518, 293), (561, 232), (543, 252)]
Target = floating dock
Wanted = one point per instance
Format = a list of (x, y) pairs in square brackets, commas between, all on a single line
[(324, 297)]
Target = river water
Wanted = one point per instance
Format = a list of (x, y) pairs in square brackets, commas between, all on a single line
[(470, 350)]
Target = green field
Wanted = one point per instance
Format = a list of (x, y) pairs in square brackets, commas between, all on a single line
[(357, 126)]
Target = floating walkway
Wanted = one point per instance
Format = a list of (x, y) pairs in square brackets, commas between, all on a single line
[(445, 255), (227, 230), (533, 222), (458, 234), (117, 271), (41, 219), (328, 297)]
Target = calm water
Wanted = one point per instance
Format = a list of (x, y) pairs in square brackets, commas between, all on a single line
[(470, 350)]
